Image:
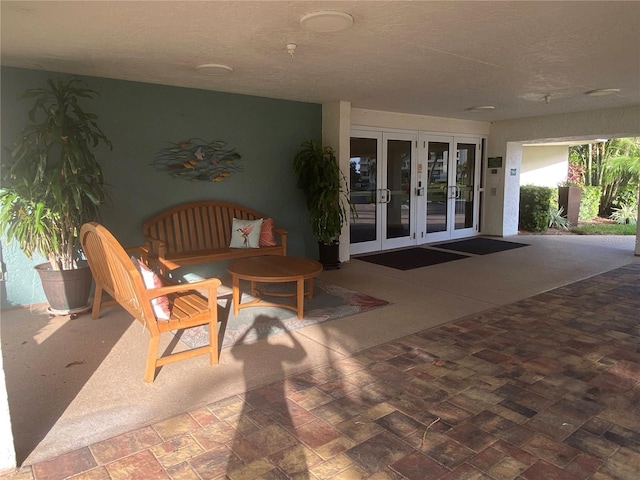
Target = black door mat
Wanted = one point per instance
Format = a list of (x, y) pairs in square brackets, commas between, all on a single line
[(411, 258), (479, 245)]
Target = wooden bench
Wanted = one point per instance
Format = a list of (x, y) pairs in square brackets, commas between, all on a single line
[(200, 232)]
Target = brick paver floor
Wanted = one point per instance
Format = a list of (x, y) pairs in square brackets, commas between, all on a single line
[(547, 388)]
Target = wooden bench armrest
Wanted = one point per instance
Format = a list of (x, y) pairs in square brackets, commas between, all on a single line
[(155, 247), (139, 250), (283, 239)]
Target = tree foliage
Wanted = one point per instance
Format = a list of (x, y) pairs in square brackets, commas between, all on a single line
[(613, 165)]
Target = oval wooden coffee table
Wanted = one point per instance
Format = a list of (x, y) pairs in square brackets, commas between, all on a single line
[(274, 269)]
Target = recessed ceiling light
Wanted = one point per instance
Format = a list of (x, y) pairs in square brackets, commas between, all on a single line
[(214, 69), (481, 108), (601, 92), (326, 21)]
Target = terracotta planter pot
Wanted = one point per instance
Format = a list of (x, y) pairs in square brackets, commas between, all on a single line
[(67, 291)]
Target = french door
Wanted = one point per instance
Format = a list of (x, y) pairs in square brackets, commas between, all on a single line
[(451, 168), (409, 192), (382, 178)]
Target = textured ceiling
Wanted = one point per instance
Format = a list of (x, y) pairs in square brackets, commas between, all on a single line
[(421, 57)]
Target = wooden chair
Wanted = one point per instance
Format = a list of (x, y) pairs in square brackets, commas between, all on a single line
[(115, 273)]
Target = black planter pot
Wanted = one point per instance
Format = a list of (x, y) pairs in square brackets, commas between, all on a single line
[(329, 255), (67, 291)]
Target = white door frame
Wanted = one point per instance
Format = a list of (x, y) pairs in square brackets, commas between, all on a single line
[(376, 243), (389, 194), (384, 195), (475, 192), (416, 189), (450, 232)]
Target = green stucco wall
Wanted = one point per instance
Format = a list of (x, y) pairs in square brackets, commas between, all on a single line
[(141, 119)]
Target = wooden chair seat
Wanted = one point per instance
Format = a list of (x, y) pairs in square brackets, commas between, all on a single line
[(191, 304)]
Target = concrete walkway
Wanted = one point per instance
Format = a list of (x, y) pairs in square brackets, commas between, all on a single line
[(72, 383)]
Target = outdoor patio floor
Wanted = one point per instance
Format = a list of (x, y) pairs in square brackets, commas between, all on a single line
[(522, 364)]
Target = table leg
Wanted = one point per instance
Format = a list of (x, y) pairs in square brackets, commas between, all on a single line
[(235, 287), (310, 294), (300, 295)]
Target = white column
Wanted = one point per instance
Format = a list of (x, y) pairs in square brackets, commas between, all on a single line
[(7, 451), (336, 133)]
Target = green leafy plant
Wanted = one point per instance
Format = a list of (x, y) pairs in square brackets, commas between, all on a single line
[(557, 220), (589, 202), (51, 180), (534, 208), (325, 189), (626, 213)]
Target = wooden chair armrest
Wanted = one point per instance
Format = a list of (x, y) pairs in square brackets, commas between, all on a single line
[(208, 284)]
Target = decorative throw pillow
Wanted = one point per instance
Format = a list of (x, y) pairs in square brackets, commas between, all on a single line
[(266, 233), (151, 280), (245, 233)]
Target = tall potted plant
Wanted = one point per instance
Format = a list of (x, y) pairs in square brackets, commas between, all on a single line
[(51, 185), (326, 194)]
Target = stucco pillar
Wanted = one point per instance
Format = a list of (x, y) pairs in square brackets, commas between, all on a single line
[(502, 190), (336, 133)]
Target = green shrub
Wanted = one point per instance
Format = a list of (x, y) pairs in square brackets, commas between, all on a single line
[(589, 202), (553, 203), (535, 203)]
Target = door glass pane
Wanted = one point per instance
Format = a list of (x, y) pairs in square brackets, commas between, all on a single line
[(363, 188), (465, 168), (399, 186), (437, 186)]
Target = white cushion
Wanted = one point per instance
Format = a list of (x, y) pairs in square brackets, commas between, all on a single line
[(245, 233)]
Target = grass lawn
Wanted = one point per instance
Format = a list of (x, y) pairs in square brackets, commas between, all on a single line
[(597, 226), (604, 229)]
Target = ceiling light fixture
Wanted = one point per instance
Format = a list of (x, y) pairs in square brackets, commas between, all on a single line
[(601, 92), (291, 49), (214, 69), (326, 21), (481, 108)]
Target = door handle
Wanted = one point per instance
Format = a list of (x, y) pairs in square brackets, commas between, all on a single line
[(384, 195)]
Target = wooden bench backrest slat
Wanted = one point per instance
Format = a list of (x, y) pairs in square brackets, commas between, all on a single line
[(197, 226), (208, 226)]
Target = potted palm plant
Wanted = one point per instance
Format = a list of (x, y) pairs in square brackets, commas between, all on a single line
[(51, 185), (326, 194)]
